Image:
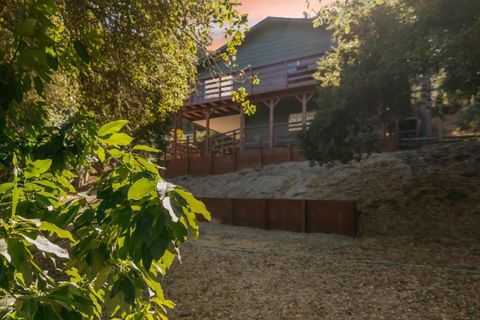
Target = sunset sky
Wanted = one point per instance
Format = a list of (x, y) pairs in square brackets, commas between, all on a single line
[(259, 9)]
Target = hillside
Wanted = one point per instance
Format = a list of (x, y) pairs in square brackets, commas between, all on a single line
[(431, 192)]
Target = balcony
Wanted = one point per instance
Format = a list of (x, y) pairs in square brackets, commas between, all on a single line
[(284, 75)]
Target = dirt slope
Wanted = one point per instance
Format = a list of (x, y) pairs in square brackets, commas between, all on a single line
[(432, 192)]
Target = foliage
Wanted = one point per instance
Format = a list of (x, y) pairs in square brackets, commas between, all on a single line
[(240, 96), (113, 248), (384, 49), (118, 59), (63, 66)]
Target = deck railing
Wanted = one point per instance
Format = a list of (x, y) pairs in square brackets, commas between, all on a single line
[(252, 137), (274, 76)]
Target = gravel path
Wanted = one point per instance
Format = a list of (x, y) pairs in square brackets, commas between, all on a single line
[(243, 273)]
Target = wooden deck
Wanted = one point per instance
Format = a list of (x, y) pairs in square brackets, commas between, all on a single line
[(278, 79)]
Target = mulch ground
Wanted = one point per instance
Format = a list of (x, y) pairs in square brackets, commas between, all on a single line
[(242, 273)]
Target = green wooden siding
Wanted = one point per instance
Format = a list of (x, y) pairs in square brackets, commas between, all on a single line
[(278, 39)]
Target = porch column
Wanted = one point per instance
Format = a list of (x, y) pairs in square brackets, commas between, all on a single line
[(194, 127), (207, 133), (242, 127), (304, 98), (271, 104)]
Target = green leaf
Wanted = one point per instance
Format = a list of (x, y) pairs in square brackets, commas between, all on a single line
[(116, 153), (128, 290), (50, 227), (155, 285), (81, 50), (111, 127), (151, 167), (5, 187), (4, 250), (118, 139), (43, 244), (140, 188), (16, 249), (66, 184), (194, 204), (26, 27), (47, 183), (68, 174), (38, 167), (145, 148), (15, 199), (100, 152)]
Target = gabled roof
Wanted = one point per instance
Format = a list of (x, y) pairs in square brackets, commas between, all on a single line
[(275, 39), (268, 20)]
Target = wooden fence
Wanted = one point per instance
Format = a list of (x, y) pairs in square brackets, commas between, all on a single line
[(238, 160), (325, 216)]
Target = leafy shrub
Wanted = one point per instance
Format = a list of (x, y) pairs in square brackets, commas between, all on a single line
[(96, 255)]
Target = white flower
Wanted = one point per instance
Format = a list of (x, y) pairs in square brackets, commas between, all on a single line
[(168, 205), (163, 187), (16, 170)]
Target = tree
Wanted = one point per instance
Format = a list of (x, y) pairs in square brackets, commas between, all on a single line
[(383, 49), (99, 254), (136, 59)]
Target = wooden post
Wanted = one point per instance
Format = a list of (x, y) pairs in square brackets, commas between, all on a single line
[(210, 154), (234, 151), (270, 127), (222, 146), (304, 98), (219, 88), (271, 104), (207, 134), (194, 133), (304, 110), (242, 128), (304, 222), (187, 167), (251, 80)]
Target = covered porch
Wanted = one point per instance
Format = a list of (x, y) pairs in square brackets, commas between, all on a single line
[(220, 130)]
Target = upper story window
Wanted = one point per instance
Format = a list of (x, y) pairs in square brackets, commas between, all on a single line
[(219, 87)]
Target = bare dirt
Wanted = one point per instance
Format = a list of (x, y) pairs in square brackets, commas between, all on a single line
[(241, 273)]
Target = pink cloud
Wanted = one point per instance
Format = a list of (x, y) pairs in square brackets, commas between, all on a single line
[(257, 10)]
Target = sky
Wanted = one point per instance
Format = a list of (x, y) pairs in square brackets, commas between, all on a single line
[(259, 9)]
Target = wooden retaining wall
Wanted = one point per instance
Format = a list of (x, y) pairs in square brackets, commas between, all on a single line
[(242, 159), (202, 166), (325, 216)]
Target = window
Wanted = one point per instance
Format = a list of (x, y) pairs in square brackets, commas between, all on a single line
[(295, 120), (218, 87)]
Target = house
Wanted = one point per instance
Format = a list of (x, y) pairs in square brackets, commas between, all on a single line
[(283, 53)]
